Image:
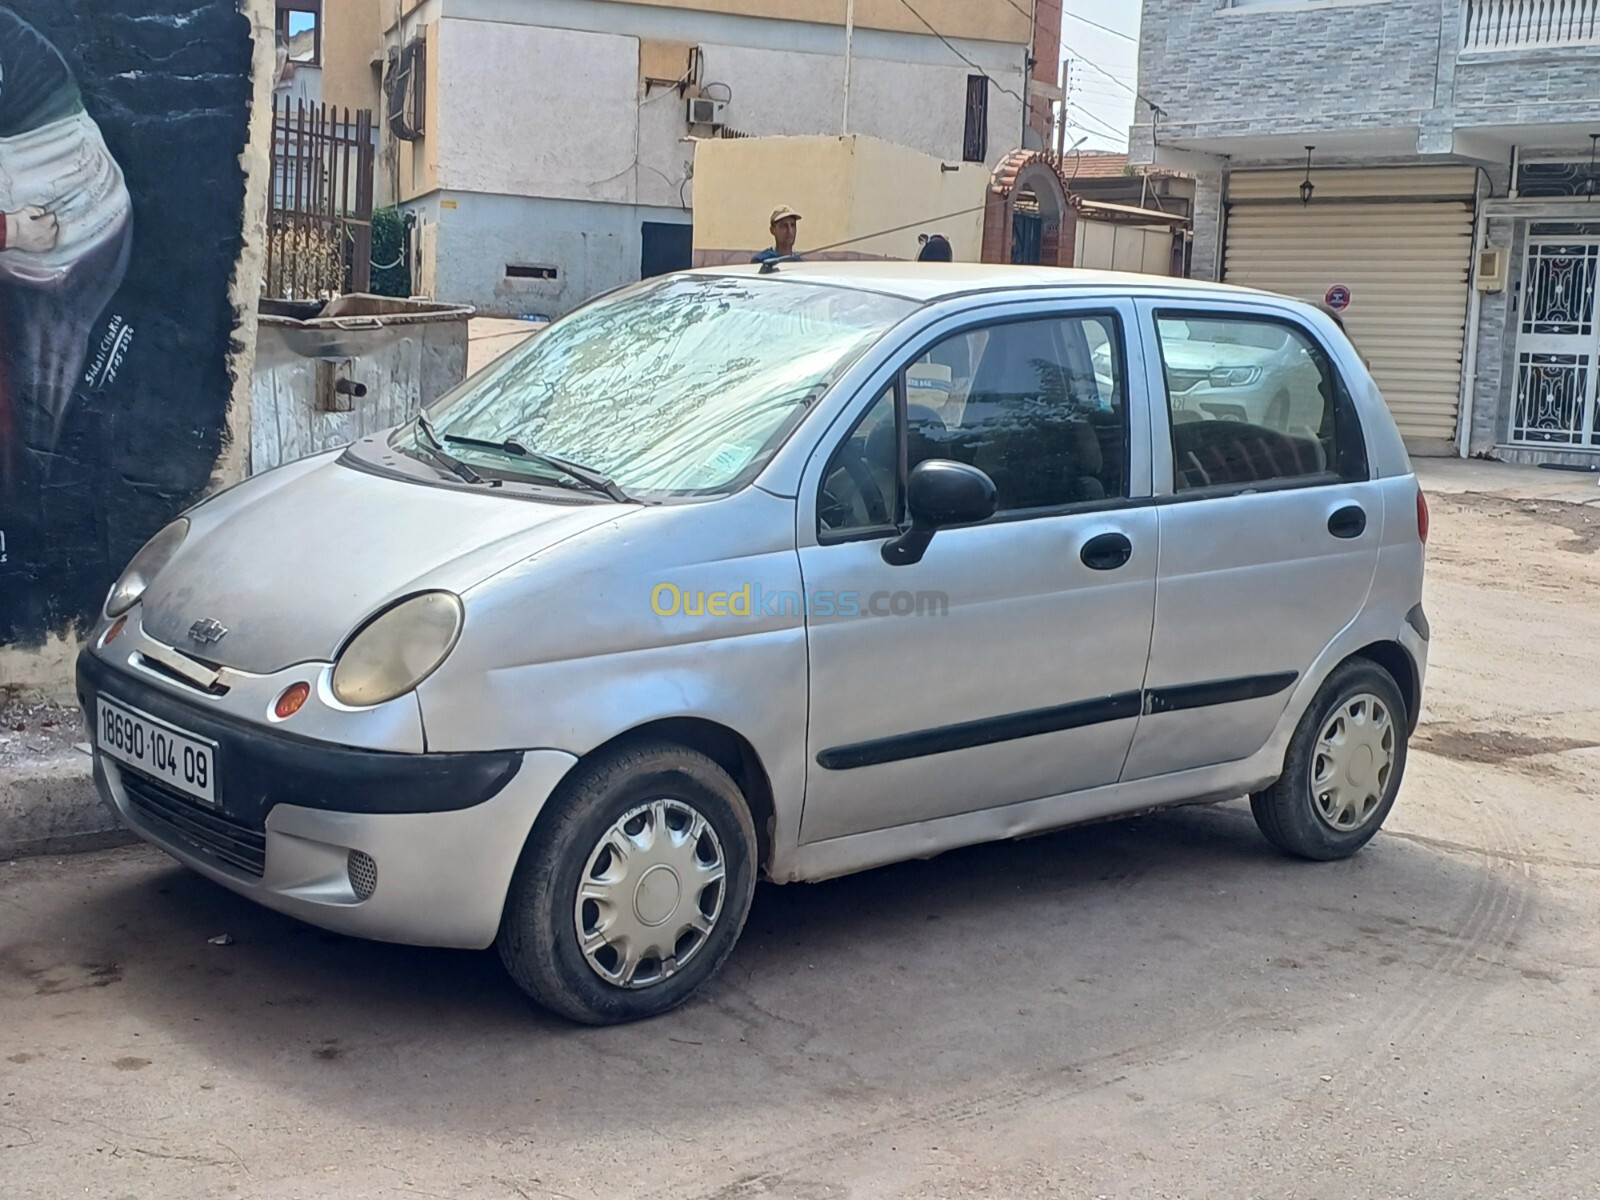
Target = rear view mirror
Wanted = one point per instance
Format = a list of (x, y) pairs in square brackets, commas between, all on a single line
[(940, 492)]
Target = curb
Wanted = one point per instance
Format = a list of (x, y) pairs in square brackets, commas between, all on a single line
[(49, 805)]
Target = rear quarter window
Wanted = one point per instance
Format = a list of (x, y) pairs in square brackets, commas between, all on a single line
[(1254, 401)]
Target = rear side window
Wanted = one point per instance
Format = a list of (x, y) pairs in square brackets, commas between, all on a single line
[(1254, 401)]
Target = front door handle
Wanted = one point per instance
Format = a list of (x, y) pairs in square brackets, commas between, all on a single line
[(1349, 522), (1106, 552)]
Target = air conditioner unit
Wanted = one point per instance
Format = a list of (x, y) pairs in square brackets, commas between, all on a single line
[(1491, 271), (705, 111)]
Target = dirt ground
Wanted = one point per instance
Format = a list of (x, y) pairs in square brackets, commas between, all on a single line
[(1151, 1008)]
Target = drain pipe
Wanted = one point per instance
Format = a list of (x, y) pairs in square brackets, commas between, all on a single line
[(849, 56), (1469, 360)]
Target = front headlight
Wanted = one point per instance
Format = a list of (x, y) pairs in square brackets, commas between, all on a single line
[(146, 565), (397, 649), (1230, 377)]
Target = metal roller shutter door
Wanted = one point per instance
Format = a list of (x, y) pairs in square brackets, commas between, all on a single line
[(1406, 262)]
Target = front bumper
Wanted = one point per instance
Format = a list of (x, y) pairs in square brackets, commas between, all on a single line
[(301, 826)]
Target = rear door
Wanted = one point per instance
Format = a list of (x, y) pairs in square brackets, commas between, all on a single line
[(1269, 528)]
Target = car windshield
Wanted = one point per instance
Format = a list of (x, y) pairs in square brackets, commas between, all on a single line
[(681, 386)]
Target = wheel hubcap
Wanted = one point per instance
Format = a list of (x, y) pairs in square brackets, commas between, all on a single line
[(650, 894), (1353, 761)]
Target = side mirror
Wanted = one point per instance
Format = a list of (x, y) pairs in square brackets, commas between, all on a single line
[(940, 493)]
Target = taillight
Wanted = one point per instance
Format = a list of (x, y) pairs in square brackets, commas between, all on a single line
[(1422, 517)]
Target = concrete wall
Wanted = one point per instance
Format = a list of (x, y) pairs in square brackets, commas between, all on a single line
[(570, 102), (127, 342), (566, 113), (1000, 19), (843, 187), (593, 247), (352, 36)]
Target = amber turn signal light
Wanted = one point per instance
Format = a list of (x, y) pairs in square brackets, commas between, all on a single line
[(290, 702), (114, 632)]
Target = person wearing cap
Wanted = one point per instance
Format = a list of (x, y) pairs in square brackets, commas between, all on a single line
[(785, 226)]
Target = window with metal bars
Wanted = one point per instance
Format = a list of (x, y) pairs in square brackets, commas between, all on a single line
[(975, 144)]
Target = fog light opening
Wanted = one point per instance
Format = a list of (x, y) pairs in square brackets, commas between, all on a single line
[(291, 700), (363, 874)]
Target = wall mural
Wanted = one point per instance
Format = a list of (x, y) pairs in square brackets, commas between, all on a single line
[(122, 196)]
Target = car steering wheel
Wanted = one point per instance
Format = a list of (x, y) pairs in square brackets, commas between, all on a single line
[(841, 511)]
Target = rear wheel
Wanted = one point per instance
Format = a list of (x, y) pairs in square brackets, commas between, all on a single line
[(1343, 769), (632, 892)]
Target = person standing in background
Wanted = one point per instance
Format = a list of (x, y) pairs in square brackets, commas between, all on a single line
[(785, 227)]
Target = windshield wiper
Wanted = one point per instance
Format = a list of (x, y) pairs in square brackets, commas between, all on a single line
[(587, 476), (441, 455)]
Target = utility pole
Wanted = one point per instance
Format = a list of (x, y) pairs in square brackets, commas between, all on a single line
[(1061, 120)]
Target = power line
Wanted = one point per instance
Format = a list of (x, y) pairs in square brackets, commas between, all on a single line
[(949, 46), (1103, 28), (1089, 62), (1106, 125), (1074, 117)]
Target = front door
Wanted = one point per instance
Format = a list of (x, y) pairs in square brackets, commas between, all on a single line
[(1269, 530), (1007, 664), (1558, 345)]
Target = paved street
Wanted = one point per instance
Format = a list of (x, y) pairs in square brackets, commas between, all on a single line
[(1152, 1008)]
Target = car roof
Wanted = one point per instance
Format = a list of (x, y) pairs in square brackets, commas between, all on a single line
[(930, 282)]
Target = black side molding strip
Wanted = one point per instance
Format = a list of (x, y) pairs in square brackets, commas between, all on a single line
[(945, 738), (1220, 691)]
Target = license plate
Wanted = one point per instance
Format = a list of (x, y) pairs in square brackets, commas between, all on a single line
[(161, 751)]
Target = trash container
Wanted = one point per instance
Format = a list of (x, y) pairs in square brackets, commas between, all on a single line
[(328, 373)]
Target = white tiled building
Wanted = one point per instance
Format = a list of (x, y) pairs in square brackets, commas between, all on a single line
[(1451, 192)]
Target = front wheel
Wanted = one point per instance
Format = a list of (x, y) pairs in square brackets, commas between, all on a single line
[(634, 888), (1343, 768)]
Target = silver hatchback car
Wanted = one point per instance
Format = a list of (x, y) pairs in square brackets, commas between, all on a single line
[(788, 574)]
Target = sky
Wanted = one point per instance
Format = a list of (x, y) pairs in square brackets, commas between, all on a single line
[(1098, 107)]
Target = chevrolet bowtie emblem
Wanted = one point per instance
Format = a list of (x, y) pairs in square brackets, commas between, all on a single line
[(207, 632)]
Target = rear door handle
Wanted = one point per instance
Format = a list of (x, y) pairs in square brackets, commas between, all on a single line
[(1106, 552), (1348, 522)]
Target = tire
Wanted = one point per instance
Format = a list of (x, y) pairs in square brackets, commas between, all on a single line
[(644, 800), (1333, 816)]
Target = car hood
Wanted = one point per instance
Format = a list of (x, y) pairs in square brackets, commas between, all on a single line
[(293, 561)]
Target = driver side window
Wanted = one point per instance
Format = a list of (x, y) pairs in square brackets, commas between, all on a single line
[(1039, 405)]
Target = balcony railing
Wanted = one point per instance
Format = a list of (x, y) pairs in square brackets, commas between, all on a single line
[(1531, 24)]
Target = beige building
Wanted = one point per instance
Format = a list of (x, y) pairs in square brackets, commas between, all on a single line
[(846, 190)]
